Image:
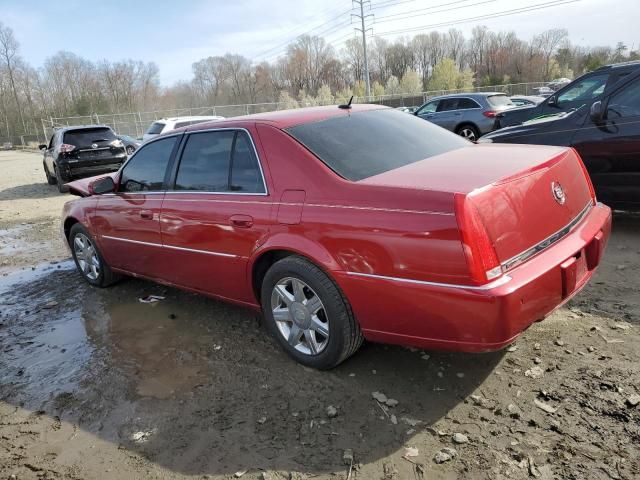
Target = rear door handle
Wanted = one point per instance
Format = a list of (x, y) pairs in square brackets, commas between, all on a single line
[(241, 221), (146, 214)]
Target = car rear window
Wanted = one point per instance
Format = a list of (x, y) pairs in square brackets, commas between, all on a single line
[(499, 101), (364, 144), (82, 138), (155, 128)]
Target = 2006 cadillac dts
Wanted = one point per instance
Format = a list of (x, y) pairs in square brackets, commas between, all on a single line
[(348, 223)]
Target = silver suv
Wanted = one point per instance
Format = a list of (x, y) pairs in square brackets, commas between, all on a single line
[(470, 115)]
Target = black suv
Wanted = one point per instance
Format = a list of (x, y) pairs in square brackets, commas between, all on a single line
[(83, 151), (584, 90)]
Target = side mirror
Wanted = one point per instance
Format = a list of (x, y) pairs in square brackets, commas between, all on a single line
[(102, 185), (42, 147), (552, 101), (596, 112)]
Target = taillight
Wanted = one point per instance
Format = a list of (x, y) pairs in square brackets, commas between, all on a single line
[(490, 113), (587, 177), (66, 148), (482, 259)]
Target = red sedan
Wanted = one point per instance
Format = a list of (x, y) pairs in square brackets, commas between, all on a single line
[(345, 224)]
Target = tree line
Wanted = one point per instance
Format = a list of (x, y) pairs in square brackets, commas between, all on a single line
[(311, 71)]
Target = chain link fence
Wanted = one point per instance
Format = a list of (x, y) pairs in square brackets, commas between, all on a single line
[(135, 124)]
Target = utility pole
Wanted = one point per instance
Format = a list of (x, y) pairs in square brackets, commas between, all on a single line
[(362, 16)]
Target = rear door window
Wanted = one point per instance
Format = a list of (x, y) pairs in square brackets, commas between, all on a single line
[(205, 162), (146, 170), (88, 137), (625, 103), (467, 104), (245, 171)]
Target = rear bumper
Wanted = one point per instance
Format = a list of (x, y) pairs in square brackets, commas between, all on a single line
[(485, 318), (79, 169)]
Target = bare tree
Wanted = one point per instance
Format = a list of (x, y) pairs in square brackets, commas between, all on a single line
[(9, 55), (547, 43)]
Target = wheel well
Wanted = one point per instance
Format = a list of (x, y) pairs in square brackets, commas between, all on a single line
[(262, 264), (68, 224), (465, 124)]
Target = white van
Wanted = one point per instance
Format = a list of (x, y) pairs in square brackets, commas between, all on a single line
[(167, 124)]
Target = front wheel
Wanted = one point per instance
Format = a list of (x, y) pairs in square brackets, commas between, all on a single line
[(469, 132), (308, 314), (88, 258)]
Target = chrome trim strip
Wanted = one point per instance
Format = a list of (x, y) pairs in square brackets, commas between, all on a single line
[(496, 283), (547, 242), (172, 247)]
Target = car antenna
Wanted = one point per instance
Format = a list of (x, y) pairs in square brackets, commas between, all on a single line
[(346, 106)]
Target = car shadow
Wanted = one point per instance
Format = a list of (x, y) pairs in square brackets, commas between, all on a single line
[(198, 386), (32, 190)]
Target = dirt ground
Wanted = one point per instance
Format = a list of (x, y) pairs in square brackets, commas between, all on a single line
[(95, 384)]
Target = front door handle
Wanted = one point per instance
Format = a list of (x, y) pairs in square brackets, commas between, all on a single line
[(146, 214), (241, 221)]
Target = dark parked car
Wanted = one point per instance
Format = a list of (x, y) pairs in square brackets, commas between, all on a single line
[(130, 144), (584, 90), (467, 114), (82, 151), (606, 134)]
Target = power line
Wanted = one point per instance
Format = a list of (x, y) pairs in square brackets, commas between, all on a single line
[(291, 39), (414, 13), (480, 17)]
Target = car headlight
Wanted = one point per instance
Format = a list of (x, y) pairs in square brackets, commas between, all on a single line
[(117, 143)]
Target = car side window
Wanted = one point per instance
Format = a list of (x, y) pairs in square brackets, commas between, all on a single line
[(466, 104), (205, 162), (147, 168), (625, 103), (448, 105), (430, 107), (584, 90), (245, 170)]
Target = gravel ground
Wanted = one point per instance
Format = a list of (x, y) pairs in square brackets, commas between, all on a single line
[(95, 384)]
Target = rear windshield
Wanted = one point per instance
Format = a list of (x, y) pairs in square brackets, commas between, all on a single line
[(499, 101), (82, 138), (364, 144), (155, 128)]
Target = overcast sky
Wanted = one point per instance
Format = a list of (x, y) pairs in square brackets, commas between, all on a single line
[(174, 34)]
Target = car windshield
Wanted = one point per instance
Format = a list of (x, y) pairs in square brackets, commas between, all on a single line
[(499, 101), (364, 144), (155, 128), (83, 138)]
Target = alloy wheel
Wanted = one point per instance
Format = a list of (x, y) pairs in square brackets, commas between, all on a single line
[(86, 256), (468, 133), (300, 316)]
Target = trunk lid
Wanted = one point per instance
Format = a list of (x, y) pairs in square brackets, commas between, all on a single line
[(517, 195)]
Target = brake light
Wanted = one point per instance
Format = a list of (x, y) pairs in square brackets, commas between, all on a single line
[(587, 177), (66, 148), (482, 259), (490, 114)]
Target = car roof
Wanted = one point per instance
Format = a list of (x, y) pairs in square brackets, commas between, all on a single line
[(288, 118), (188, 118), (470, 94), (631, 63)]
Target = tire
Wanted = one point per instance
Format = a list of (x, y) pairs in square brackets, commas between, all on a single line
[(51, 180), (316, 316), (88, 259), (469, 132), (62, 188), (130, 150)]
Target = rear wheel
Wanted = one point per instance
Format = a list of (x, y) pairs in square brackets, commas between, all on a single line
[(469, 132), (62, 188), (51, 180), (88, 259), (307, 313)]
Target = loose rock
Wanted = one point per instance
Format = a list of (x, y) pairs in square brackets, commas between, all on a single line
[(544, 406), (460, 438), (379, 396), (445, 455), (332, 411), (535, 372), (633, 400)]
